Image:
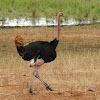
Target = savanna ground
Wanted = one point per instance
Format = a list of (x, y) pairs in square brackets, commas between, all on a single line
[(74, 74)]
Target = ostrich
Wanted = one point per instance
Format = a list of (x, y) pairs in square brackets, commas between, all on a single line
[(38, 53)]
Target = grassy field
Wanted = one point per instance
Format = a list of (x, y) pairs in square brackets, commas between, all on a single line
[(77, 9), (74, 75)]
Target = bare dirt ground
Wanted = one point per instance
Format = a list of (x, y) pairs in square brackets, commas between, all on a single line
[(20, 91), (74, 75)]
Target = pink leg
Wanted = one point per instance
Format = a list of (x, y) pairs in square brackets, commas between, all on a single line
[(31, 86), (34, 73), (47, 86)]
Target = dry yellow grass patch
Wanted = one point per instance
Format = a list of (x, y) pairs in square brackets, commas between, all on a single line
[(76, 68)]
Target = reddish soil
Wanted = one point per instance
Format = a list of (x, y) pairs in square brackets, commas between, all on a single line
[(10, 90)]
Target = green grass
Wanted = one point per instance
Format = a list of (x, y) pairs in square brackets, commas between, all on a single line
[(77, 9)]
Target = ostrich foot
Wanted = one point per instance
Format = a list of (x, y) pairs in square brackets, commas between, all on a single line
[(48, 88), (30, 91)]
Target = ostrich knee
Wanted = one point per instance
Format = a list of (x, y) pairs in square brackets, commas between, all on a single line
[(36, 74)]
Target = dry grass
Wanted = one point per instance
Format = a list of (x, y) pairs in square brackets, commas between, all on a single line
[(76, 68)]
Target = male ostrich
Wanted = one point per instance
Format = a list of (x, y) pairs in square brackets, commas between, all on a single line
[(38, 53)]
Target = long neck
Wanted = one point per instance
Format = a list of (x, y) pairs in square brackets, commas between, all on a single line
[(58, 34)]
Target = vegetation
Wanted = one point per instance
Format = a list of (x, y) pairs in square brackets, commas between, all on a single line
[(78, 9), (76, 68)]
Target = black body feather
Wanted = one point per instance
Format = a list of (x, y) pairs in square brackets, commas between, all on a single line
[(39, 49)]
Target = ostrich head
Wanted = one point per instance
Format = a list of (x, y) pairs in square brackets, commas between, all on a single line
[(61, 14)]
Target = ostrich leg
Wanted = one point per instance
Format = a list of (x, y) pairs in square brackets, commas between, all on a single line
[(47, 86), (31, 86), (37, 76), (34, 73)]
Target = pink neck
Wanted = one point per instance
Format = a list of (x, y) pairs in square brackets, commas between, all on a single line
[(58, 34)]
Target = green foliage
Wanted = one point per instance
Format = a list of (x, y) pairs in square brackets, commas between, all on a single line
[(77, 9)]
